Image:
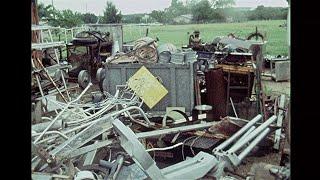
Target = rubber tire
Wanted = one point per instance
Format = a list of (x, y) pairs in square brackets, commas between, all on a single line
[(81, 81), (84, 41), (101, 74)]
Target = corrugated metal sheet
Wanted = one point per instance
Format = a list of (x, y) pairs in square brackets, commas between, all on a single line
[(177, 79)]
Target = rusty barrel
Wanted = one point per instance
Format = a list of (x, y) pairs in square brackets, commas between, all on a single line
[(216, 93)]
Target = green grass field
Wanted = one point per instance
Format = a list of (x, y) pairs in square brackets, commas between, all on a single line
[(177, 34)]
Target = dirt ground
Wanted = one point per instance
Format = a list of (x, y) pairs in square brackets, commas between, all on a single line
[(275, 88), (271, 88), (271, 158)]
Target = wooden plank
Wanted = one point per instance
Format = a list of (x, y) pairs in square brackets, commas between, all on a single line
[(236, 69), (279, 122)]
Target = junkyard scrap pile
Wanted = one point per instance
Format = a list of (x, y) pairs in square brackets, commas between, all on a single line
[(153, 112)]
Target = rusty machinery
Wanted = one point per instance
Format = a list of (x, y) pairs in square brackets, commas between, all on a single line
[(87, 52), (235, 57), (195, 41)]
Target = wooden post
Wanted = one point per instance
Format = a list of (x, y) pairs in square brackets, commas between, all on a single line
[(258, 59)]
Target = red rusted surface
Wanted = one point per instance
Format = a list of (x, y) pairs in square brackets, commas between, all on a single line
[(224, 127), (216, 92)]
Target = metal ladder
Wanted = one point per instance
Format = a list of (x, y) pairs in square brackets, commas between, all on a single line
[(44, 44)]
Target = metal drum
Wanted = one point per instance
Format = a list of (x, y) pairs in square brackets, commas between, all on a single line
[(164, 52)]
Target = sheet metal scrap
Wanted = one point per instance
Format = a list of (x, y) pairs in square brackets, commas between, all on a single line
[(72, 149), (225, 128), (204, 143), (77, 129), (236, 43), (202, 163), (147, 87)]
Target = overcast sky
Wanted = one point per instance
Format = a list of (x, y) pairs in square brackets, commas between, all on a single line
[(141, 6)]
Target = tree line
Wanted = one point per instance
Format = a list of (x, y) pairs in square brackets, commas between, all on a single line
[(202, 11), (210, 11), (67, 18)]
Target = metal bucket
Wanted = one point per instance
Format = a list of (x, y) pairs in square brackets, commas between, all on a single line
[(164, 52)]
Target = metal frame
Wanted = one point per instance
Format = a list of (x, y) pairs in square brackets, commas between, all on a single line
[(249, 132), (180, 93), (193, 168)]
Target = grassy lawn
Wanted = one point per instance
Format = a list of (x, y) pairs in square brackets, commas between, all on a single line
[(177, 34)]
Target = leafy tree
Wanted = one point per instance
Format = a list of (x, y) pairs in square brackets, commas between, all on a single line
[(202, 11), (46, 12), (89, 18), (42, 12), (159, 16), (132, 18), (177, 8), (236, 14), (218, 15), (265, 13), (67, 18), (111, 14), (217, 4), (209, 10)]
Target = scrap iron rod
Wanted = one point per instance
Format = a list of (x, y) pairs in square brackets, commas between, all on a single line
[(74, 138), (61, 112), (120, 160), (92, 123), (53, 132), (254, 133), (166, 148), (86, 149), (246, 151), (234, 109), (37, 78), (41, 126), (174, 130), (39, 84), (65, 85), (62, 106), (49, 77), (133, 108), (239, 133)]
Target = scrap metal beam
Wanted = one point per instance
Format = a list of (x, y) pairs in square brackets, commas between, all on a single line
[(90, 157), (252, 135), (175, 130), (86, 149), (136, 150), (238, 133), (193, 168)]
